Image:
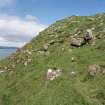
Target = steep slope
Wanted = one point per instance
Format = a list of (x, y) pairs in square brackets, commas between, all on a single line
[(23, 78)]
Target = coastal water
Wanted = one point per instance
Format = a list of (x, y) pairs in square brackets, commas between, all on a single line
[(6, 52)]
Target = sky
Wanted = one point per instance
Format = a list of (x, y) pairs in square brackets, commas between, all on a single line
[(21, 20)]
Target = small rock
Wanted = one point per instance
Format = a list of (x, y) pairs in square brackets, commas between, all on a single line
[(2, 71), (6, 68), (103, 72), (63, 49), (25, 64), (45, 47), (73, 73), (94, 69), (72, 59), (53, 73)]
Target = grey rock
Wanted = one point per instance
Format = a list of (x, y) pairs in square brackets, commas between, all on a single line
[(89, 37), (77, 41)]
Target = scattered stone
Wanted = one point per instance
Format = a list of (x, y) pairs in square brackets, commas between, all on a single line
[(101, 23), (72, 59), (103, 72), (63, 49), (93, 28), (53, 74), (73, 73), (2, 71), (6, 68)]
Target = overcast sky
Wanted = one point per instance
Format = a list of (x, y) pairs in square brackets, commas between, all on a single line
[(21, 20)]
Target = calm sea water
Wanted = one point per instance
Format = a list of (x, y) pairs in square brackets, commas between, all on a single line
[(6, 52)]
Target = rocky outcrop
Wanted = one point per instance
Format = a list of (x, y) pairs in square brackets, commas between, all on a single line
[(88, 38)]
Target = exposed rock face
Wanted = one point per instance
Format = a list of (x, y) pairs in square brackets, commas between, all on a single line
[(77, 41), (53, 73)]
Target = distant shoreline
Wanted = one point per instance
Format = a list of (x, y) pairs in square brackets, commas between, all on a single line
[(2, 47)]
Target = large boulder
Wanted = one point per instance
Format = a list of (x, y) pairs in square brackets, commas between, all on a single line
[(89, 37), (77, 41)]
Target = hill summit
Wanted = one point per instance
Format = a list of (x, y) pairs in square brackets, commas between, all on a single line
[(63, 65)]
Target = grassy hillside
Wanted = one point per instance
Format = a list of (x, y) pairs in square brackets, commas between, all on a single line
[(23, 80)]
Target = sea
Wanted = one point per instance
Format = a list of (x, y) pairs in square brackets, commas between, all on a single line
[(6, 52)]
